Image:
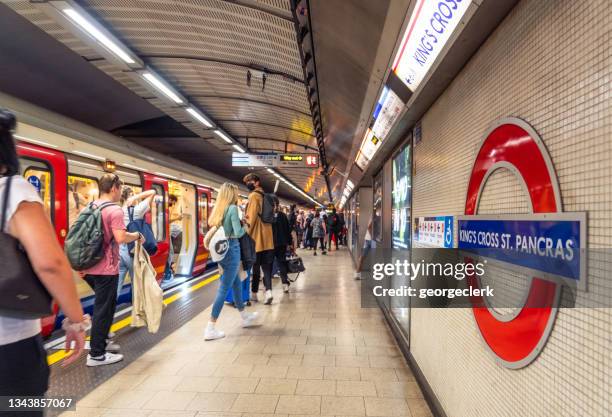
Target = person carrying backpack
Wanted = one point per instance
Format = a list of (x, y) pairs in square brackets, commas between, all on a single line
[(318, 232), (259, 217), (333, 228), (103, 276), (139, 204)]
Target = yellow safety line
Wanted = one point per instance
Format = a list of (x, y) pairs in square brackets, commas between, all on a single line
[(61, 354)]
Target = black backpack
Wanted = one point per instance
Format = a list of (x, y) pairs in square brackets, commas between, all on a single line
[(267, 207), (84, 245)]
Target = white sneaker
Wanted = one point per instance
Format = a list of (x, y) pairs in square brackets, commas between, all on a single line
[(269, 297), (285, 288), (254, 297), (357, 275), (213, 334), (112, 346), (249, 319), (107, 359), (111, 335)]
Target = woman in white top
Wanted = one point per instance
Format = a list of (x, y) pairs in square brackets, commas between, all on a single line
[(142, 205), (23, 367)]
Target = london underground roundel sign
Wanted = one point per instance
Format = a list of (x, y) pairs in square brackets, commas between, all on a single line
[(512, 144)]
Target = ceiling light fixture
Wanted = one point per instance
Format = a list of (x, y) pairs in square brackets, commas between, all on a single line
[(239, 148), (161, 86), (88, 27), (199, 117), (223, 136)]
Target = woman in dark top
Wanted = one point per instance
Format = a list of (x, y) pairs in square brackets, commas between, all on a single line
[(282, 241)]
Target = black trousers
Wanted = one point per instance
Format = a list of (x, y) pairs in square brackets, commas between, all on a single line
[(264, 261), (333, 233), (23, 372), (319, 239), (105, 290), (280, 254)]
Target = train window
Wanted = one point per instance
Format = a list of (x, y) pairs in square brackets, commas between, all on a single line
[(81, 191), (39, 175), (158, 214), (203, 207)]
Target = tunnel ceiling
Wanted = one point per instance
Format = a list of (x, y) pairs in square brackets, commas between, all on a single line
[(203, 48)]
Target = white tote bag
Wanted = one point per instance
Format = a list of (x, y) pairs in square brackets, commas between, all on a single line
[(217, 243)]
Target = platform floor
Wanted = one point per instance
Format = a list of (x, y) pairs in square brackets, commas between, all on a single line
[(317, 353)]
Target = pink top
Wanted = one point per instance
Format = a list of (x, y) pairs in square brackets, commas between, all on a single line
[(112, 219)]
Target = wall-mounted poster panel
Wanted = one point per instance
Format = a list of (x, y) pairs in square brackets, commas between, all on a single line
[(434, 231), (402, 187)]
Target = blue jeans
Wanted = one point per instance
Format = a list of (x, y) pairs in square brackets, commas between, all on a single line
[(126, 265), (229, 279)]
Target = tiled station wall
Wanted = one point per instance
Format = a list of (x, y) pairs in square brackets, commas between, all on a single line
[(549, 64)]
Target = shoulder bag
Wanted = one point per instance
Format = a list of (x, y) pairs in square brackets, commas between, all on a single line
[(22, 295)]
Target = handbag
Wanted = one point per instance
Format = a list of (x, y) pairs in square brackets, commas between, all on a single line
[(247, 251), (22, 295), (294, 265), (144, 228)]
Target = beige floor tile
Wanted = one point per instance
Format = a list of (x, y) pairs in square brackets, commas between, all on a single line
[(83, 412), (310, 349), (279, 349), (172, 413), (353, 361), (217, 414), (299, 404), (342, 406), (267, 340), (386, 407), (267, 371), (288, 360), (340, 350), (220, 358), (377, 361), (305, 372), (319, 360), (398, 389), (419, 408), (237, 371), (169, 400), (342, 373), (315, 387), (125, 413), (255, 403), (378, 374), (249, 348), (321, 340), (237, 385), (214, 401), (276, 386), (404, 374), (198, 384), (292, 340), (122, 381), (97, 397), (155, 383), (356, 389), (128, 399), (251, 359), (197, 369)]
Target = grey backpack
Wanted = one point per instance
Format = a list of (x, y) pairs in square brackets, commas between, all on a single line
[(84, 245)]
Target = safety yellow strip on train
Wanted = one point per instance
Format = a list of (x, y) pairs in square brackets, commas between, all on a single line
[(61, 354)]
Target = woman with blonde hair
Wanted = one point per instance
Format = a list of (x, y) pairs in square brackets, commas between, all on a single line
[(225, 214)]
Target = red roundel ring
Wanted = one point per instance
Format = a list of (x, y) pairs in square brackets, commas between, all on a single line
[(514, 144)]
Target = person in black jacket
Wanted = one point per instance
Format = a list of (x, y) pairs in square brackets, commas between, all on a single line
[(282, 241)]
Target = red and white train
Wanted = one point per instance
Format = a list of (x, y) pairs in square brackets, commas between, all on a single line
[(63, 159)]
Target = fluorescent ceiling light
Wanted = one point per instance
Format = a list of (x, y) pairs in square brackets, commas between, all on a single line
[(161, 86), (199, 117), (276, 175), (223, 136), (271, 171), (88, 155), (239, 148), (88, 27)]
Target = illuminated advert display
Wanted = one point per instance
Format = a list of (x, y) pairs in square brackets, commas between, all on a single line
[(434, 231), (430, 26)]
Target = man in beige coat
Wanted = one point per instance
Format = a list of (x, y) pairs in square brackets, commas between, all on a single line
[(262, 234)]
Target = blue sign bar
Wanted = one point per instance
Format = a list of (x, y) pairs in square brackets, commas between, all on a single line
[(548, 243)]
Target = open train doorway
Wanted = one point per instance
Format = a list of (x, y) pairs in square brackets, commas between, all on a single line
[(183, 227)]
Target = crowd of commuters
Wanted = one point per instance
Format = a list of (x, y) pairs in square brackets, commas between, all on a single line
[(273, 233)]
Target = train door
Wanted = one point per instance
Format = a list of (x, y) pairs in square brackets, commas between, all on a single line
[(183, 222), (157, 218), (46, 170), (202, 253)]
